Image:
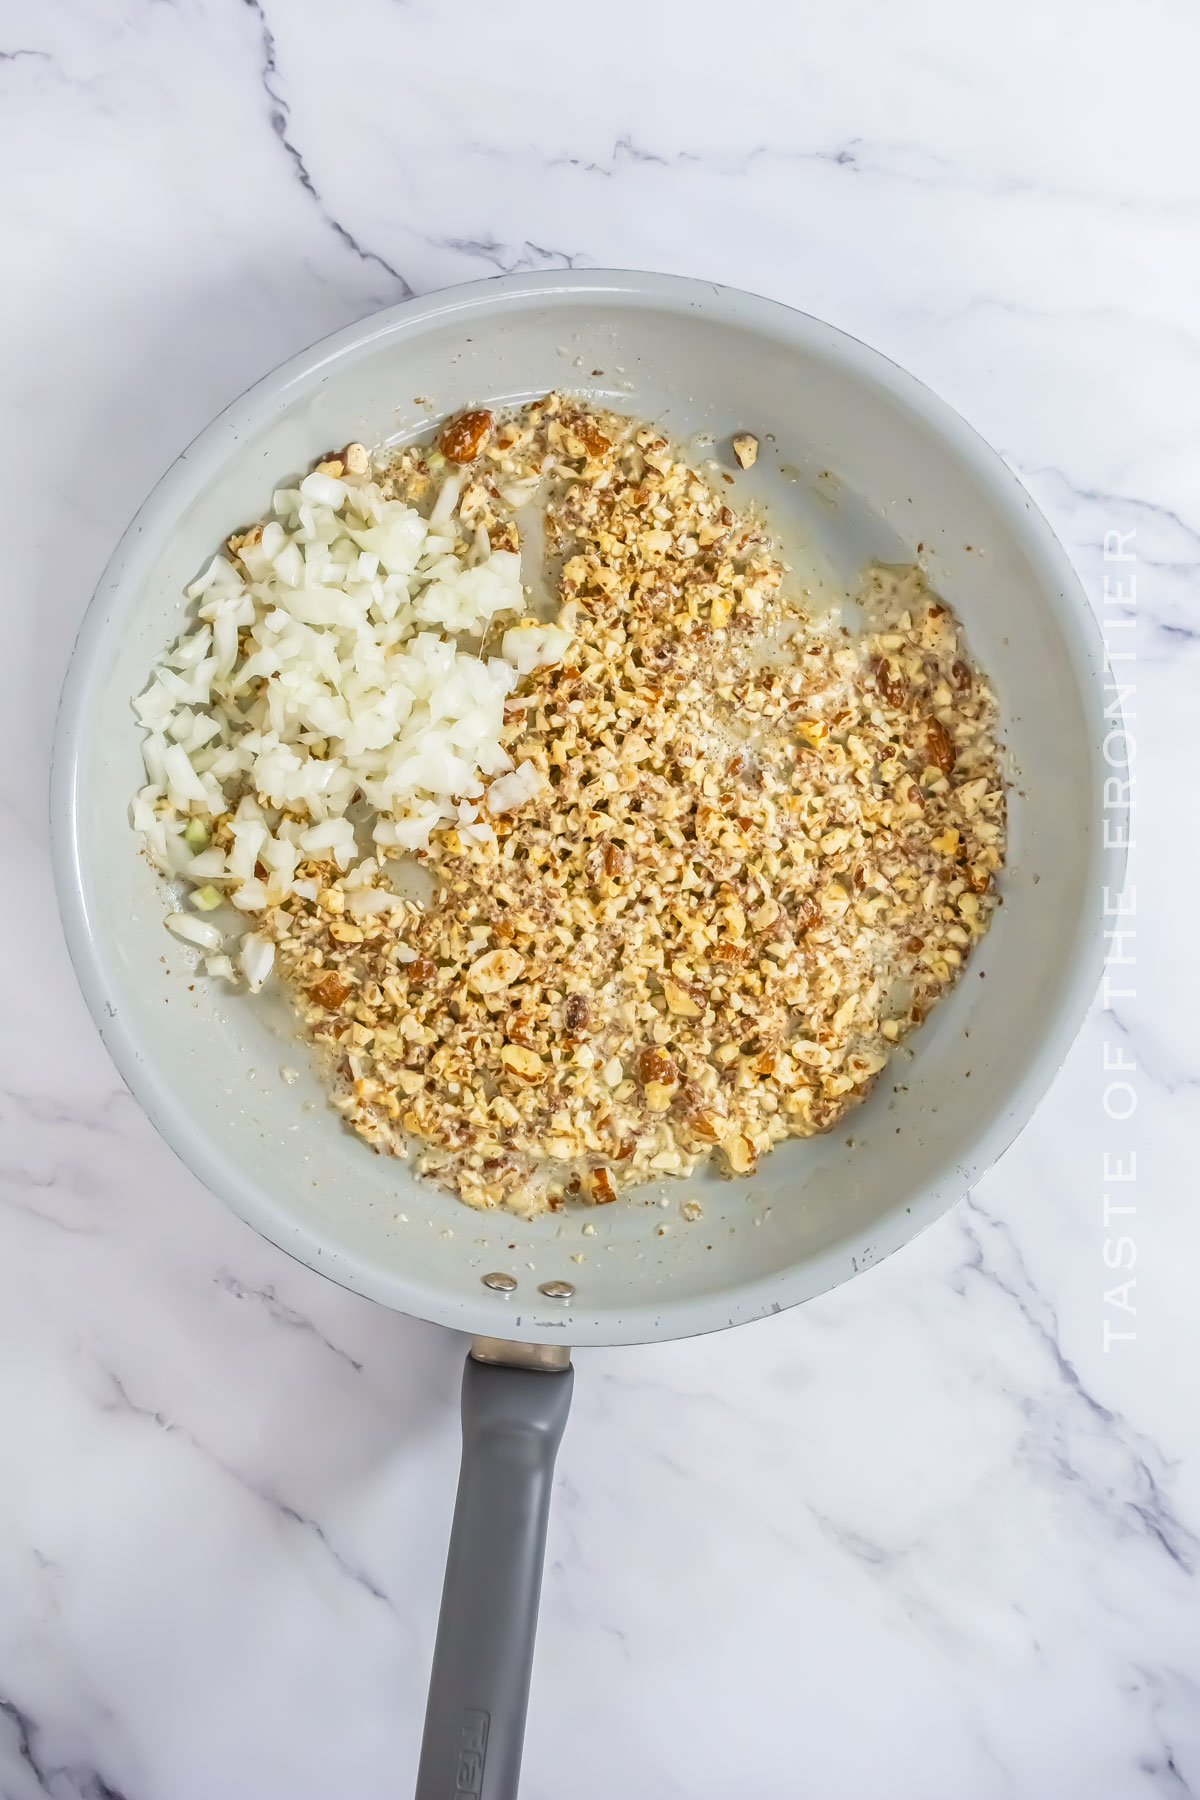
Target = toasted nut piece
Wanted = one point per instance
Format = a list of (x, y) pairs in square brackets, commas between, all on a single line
[(658, 1096), (600, 1187), (814, 731), (330, 991), (691, 1210), (939, 746), (332, 465), (745, 448), (679, 1000), (741, 1155), (495, 971), (807, 914), (518, 1029), (731, 953), (577, 1013), (462, 439), (526, 1064), (589, 435), (655, 1065), (890, 681), (356, 459), (240, 540), (706, 1125), (720, 611)]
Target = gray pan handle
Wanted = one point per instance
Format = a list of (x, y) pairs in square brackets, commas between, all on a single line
[(512, 1421)]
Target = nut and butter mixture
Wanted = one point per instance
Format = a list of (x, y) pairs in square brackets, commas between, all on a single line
[(758, 852)]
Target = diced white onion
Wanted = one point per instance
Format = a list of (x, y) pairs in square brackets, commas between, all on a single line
[(364, 901), (324, 490), (206, 866), (323, 670), (250, 897), (530, 646), (196, 931), (515, 788), (446, 502), (256, 956)]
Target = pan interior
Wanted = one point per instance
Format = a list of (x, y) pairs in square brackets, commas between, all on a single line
[(856, 463)]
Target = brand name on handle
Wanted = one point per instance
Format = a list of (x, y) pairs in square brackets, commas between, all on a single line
[(472, 1751)]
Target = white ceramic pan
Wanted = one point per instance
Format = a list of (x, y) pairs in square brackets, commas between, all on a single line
[(862, 462)]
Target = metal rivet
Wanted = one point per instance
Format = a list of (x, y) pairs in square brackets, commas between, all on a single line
[(503, 1284), (556, 1290)]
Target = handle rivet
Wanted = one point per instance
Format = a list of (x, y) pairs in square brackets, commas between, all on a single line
[(503, 1284), (556, 1290)]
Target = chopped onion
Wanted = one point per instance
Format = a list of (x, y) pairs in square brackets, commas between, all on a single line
[(323, 671), (530, 646), (364, 901), (447, 501), (251, 896), (194, 931), (515, 788), (256, 956), (206, 866)]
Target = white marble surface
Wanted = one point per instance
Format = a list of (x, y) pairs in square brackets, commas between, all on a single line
[(926, 1539)]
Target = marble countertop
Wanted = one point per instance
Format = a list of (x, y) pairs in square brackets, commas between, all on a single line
[(932, 1537)]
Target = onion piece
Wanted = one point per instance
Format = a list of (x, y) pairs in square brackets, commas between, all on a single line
[(446, 503), (191, 930), (256, 956), (513, 789)]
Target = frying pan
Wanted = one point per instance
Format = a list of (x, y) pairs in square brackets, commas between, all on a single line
[(858, 462)]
